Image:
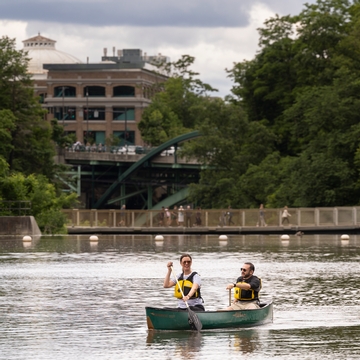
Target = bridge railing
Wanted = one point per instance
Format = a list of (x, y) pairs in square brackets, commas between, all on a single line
[(99, 148), (336, 216)]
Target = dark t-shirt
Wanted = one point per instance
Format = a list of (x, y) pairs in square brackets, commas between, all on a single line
[(254, 282), (255, 285)]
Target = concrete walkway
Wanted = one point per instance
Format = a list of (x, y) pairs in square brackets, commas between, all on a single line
[(228, 230)]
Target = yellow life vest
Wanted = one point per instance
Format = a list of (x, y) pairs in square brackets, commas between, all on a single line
[(246, 295), (185, 286)]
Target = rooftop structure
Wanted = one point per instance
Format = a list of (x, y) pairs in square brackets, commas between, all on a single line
[(125, 59), (41, 50)]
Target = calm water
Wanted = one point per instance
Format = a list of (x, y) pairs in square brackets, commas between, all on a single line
[(68, 298)]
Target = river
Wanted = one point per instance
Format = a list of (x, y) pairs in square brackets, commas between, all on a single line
[(65, 297)]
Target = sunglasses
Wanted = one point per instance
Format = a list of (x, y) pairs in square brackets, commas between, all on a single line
[(186, 262), (242, 269)]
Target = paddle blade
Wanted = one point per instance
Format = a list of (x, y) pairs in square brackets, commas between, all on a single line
[(194, 321)]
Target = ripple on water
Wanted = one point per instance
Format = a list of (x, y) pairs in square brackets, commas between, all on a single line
[(63, 299)]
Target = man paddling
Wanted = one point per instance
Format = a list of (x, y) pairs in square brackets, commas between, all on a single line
[(246, 288), (188, 283)]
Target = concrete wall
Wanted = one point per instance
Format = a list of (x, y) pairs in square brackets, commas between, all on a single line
[(19, 225)]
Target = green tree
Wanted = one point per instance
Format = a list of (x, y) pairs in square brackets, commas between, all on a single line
[(175, 109), (27, 144), (7, 125), (31, 147), (296, 52), (304, 84), (228, 145), (46, 203), (59, 137)]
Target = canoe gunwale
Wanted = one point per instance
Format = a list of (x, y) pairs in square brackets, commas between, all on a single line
[(176, 319), (262, 306)]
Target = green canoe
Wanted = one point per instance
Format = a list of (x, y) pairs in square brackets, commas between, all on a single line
[(176, 319)]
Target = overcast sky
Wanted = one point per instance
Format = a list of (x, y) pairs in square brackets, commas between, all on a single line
[(216, 32)]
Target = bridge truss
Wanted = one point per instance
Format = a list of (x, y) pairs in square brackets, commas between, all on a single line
[(142, 184)]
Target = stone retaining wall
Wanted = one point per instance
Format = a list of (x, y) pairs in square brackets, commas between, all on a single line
[(19, 225)]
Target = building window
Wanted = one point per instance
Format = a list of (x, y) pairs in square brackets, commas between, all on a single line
[(123, 114), (42, 98), (64, 91), (125, 137), (93, 113), (94, 91), (70, 113), (64, 113), (94, 137), (124, 91)]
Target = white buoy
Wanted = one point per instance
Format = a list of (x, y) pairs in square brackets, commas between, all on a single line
[(159, 237), (345, 237), (285, 237), (223, 237), (27, 238), (93, 238)]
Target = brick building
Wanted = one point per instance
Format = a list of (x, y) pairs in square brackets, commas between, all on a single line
[(96, 101)]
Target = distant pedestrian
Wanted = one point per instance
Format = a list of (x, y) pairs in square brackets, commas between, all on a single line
[(285, 216), (222, 218), (76, 146), (161, 216), (188, 216), (261, 221), (174, 215), (123, 216), (230, 216), (181, 216), (168, 217)]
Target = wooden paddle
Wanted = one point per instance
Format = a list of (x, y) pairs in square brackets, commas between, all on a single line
[(193, 319)]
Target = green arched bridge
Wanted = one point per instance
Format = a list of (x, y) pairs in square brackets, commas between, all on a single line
[(148, 181)]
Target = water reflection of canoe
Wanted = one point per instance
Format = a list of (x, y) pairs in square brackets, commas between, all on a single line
[(175, 319)]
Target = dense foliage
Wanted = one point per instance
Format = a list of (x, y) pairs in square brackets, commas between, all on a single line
[(46, 203), (177, 109), (289, 133), (26, 145), (304, 84)]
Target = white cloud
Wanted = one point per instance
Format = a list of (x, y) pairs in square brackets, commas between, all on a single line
[(14, 29), (214, 48)]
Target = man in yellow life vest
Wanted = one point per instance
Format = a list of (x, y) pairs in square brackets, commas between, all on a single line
[(190, 283), (246, 289)]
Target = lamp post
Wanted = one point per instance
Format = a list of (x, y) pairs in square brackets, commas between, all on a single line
[(87, 115), (63, 107), (125, 135), (63, 104)]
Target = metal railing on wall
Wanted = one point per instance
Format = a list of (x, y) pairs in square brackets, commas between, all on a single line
[(15, 208), (337, 216)]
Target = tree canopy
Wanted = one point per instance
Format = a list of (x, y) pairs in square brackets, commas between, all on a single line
[(288, 133), (304, 83), (27, 168), (177, 108), (30, 148)]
